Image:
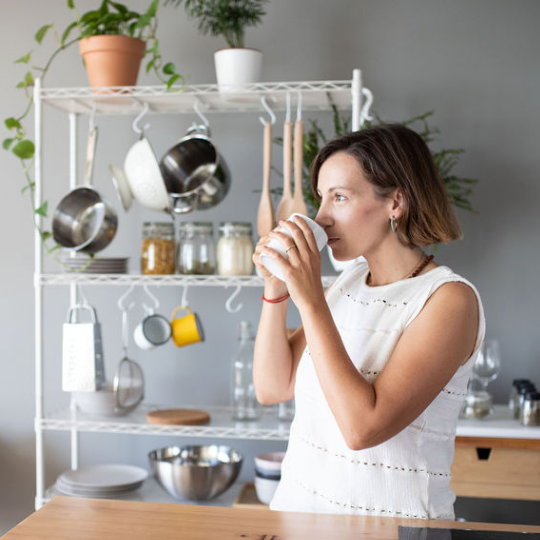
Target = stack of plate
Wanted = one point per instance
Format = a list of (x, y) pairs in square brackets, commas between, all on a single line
[(101, 480), (100, 265)]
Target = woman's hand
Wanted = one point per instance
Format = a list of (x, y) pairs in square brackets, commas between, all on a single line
[(273, 285), (302, 269)]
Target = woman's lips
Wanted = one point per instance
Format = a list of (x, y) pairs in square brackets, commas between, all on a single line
[(332, 241)]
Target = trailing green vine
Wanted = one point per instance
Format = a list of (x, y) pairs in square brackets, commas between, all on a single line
[(111, 18)]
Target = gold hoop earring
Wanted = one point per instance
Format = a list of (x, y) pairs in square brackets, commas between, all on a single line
[(392, 224)]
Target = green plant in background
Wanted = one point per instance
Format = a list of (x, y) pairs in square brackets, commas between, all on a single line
[(227, 18), (459, 188), (111, 18)]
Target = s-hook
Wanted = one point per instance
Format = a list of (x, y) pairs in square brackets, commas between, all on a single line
[(138, 118), (299, 107), (268, 110), (228, 303), (197, 109), (121, 300), (153, 298), (184, 301)]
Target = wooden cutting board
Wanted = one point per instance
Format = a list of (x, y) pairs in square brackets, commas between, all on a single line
[(190, 417)]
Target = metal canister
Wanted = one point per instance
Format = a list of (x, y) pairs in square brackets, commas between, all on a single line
[(530, 410), (522, 390), (512, 400)]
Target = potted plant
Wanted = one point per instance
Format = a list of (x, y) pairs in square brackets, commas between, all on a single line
[(235, 65), (112, 20)]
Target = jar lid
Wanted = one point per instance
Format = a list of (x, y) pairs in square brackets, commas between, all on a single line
[(517, 382), (532, 396), (197, 226), (525, 388), (165, 226), (235, 226)]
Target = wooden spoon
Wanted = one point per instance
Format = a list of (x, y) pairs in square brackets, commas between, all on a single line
[(285, 206), (299, 204), (265, 215)]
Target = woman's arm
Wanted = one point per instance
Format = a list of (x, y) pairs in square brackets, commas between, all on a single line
[(429, 352)]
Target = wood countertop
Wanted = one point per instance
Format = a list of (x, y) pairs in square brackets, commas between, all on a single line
[(66, 518)]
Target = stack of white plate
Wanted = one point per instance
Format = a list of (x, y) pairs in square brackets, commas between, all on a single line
[(101, 481), (100, 265)]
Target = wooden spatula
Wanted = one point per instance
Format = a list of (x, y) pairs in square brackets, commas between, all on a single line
[(285, 206), (298, 204), (265, 215)]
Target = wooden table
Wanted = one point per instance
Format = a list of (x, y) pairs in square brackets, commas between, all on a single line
[(66, 518)]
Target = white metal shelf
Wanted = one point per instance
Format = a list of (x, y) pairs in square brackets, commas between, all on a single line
[(170, 280), (221, 425), (128, 100)]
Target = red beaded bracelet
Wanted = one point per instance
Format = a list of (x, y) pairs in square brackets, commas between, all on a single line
[(275, 300)]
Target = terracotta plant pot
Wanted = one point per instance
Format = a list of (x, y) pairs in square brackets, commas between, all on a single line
[(112, 60)]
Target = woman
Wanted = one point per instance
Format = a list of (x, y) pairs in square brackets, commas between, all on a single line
[(380, 365)]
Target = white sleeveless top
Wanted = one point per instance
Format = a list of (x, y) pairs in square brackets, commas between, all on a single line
[(406, 476)]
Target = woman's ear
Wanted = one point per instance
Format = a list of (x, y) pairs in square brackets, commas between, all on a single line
[(397, 203)]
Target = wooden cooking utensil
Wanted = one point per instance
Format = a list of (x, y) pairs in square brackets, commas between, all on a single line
[(299, 204), (285, 206), (265, 215), (189, 417)]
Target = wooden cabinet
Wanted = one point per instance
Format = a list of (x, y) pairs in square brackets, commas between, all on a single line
[(497, 458)]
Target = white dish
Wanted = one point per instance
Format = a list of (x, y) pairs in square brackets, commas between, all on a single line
[(121, 185), (103, 478), (270, 461), (265, 489)]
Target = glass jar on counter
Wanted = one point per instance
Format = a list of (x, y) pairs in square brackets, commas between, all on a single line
[(196, 248), (235, 249), (157, 249)]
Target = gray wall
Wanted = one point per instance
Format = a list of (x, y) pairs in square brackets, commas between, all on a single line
[(475, 63)]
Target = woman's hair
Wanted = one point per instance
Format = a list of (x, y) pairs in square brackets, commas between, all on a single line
[(394, 156)]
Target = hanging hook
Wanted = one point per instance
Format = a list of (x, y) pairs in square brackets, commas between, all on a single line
[(184, 296), (121, 305), (299, 108), (138, 118), (268, 110), (288, 110), (154, 299), (197, 109), (228, 303)]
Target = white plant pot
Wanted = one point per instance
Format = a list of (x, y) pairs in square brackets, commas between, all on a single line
[(236, 68)]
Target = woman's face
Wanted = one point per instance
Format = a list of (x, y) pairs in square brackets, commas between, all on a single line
[(354, 218)]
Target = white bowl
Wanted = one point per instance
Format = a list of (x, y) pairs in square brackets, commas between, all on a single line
[(265, 489), (270, 462), (98, 403)]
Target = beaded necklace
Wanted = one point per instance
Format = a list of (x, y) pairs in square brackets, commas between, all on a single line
[(420, 265)]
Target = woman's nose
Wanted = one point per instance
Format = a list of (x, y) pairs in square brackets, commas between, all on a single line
[(322, 218)]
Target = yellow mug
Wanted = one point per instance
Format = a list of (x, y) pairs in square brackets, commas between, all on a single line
[(187, 329)]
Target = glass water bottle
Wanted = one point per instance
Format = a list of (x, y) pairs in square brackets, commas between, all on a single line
[(243, 400)]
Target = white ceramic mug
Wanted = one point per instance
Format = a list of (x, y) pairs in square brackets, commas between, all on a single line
[(320, 237), (152, 331)]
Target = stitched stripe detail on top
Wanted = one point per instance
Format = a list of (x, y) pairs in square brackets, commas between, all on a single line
[(365, 463), (340, 504), (373, 301)]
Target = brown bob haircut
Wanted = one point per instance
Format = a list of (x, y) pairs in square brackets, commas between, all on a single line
[(394, 156)]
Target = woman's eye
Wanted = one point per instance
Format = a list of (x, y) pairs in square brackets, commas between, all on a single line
[(339, 197)]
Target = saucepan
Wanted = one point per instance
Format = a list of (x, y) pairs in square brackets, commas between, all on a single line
[(83, 221), (195, 174)]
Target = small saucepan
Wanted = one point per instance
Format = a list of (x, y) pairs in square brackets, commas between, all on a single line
[(195, 174), (83, 221)]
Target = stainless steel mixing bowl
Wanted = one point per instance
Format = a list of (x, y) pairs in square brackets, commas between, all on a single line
[(198, 473)]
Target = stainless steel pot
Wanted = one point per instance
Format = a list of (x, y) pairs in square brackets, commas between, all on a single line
[(195, 174), (83, 221)]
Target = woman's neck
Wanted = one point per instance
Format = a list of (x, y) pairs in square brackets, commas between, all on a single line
[(401, 264)]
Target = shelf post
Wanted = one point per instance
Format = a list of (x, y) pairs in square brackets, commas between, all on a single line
[(38, 300)]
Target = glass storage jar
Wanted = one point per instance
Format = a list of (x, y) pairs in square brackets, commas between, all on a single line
[(196, 249), (157, 249), (235, 249)]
